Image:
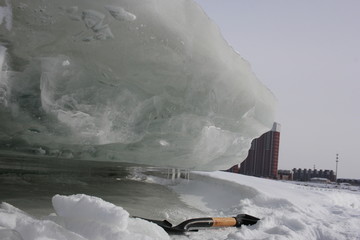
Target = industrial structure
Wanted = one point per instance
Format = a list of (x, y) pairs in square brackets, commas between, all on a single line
[(308, 174)]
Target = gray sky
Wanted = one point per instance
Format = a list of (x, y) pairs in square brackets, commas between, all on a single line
[(308, 53)]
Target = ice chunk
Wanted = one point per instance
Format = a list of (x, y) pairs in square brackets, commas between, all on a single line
[(4, 88), (120, 14), (163, 90), (72, 12), (6, 15), (92, 19), (94, 218), (90, 209), (103, 33)]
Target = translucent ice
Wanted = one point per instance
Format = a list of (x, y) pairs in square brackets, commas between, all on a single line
[(120, 14), (146, 82), (6, 15), (3, 79)]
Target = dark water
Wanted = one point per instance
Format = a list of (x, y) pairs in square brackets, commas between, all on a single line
[(29, 183)]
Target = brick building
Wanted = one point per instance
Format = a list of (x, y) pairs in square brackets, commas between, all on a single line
[(263, 156)]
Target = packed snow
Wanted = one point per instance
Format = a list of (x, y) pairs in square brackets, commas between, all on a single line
[(286, 210), (78, 217)]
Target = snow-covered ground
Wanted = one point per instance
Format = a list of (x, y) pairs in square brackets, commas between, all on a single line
[(290, 211), (286, 210)]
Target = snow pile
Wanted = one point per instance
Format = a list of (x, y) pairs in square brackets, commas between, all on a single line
[(287, 211), (78, 217)]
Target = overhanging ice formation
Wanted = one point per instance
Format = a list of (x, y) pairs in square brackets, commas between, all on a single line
[(150, 82)]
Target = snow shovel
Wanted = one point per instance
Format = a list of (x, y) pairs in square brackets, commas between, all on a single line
[(193, 225)]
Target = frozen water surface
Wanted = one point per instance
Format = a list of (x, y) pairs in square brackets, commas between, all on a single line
[(30, 184), (54, 208)]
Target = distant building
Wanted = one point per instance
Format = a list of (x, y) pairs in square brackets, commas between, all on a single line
[(285, 175), (307, 174), (234, 169), (319, 180), (263, 157), (355, 182)]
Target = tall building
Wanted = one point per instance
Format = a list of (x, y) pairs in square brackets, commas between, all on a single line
[(263, 157)]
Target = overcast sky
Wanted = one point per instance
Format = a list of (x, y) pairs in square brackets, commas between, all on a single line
[(308, 54)]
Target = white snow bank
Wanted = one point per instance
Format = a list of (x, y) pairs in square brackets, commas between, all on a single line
[(89, 208), (287, 211), (78, 217)]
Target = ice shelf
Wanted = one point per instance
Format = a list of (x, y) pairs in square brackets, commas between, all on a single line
[(149, 82)]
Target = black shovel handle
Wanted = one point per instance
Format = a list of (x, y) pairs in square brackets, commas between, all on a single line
[(197, 223)]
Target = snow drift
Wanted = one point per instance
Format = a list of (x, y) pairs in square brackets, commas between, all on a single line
[(78, 217), (147, 82)]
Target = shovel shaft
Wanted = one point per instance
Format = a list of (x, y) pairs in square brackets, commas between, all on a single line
[(207, 222), (197, 223), (224, 222)]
